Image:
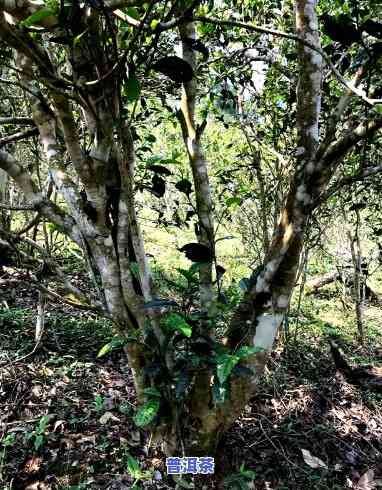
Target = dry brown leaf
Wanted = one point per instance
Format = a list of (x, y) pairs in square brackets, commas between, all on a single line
[(311, 460), (37, 391), (84, 439), (32, 465), (106, 417), (38, 485)]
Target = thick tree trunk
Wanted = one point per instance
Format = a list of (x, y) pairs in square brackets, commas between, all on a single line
[(313, 285)]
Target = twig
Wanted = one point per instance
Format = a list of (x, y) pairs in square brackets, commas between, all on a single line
[(39, 330), (292, 37), (21, 207), (10, 138)]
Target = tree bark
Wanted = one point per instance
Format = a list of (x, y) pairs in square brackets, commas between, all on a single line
[(192, 135)]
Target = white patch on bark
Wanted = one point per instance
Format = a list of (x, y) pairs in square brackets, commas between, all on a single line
[(60, 174), (300, 151), (310, 168), (313, 132), (51, 152), (47, 141), (313, 24), (191, 146), (266, 329), (9, 18), (309, 9), (108, 241), (123, 206), (260, 284), (300, 192), (302, 195), (283, 301), (270, 269), (316, 58)]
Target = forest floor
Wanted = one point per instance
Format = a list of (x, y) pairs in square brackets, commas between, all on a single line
[(66, 415)]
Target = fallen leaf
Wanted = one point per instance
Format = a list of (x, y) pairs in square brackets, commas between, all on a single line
[(366, 482), (106, 417), (57, 424), (83, 439), (312, 461), (119, 383), (37, 391), (32, 465), (38, 485), (46, 371), (135, 438)]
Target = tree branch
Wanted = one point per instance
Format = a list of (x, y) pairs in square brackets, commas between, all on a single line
[(296, 38), (22, 207), (47, 208), (21, 121), (11, 138), (349, 180)]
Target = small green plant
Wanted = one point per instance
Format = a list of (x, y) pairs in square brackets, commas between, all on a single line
[(132, 466), (239, 480), (99, 403), (39, 436), (103, 444), (7, 442), (74, 421), (125, 408)]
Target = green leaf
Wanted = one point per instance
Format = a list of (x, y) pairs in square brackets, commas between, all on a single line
[(249, 474), (104, 350), (146, 413), (9, 440), (178, 323), (53, 227), (113, 344), (152, 392), (159, 159), (43, 423), (233, 202), (225, 364), (247, 350), (77, 39), (133, 88), (133, 466), (38, 442), (134, 268), (235, 482), (132, 12), (154, 23), (37, 17), (190, 275)]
